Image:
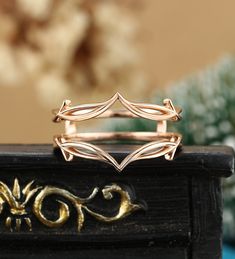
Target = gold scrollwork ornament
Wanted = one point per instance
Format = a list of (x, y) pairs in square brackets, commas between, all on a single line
[(18, 200)]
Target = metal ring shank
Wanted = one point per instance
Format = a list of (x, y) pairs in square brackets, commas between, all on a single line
[(159, 143), (106, 136)]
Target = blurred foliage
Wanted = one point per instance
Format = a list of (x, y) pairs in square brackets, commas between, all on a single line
[(208, 103)]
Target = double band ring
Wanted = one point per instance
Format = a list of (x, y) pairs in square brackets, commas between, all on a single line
[(89, 145)]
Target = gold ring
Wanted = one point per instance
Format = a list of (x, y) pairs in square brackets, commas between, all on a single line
[(159, 143)]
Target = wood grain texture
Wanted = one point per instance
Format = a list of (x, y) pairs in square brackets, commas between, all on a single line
[(206, 218), (72, 251), (183, 200), (190, 160)]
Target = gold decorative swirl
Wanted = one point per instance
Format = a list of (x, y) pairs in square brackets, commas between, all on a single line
[(18, 202), (126, 205), (64, 209)]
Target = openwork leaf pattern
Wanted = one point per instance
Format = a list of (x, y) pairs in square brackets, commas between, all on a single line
[(164, 147), (89, 111)]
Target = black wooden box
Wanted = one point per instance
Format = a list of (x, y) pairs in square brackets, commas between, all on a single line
[(153, 209)]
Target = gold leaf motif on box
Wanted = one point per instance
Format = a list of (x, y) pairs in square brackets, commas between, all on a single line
[(18, 203)]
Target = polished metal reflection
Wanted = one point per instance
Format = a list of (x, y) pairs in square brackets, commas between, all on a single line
[(160, 143)]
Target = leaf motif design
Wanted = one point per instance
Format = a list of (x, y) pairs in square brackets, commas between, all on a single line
[(85, 111), (150, 150), (151, 111), (88, 151), (7, 195), (148, 111), (88, 111)]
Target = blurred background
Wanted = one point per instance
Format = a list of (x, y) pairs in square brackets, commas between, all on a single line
[(86, 50)]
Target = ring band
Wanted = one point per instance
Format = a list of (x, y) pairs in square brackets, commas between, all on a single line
[(159, 143)]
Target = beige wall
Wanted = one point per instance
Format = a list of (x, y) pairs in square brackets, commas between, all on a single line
[(177, 38), (180, 37)]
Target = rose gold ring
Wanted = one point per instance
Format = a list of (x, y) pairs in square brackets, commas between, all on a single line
[(84, 145)]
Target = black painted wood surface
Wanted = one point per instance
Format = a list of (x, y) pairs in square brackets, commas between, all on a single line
[(182, 200)]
